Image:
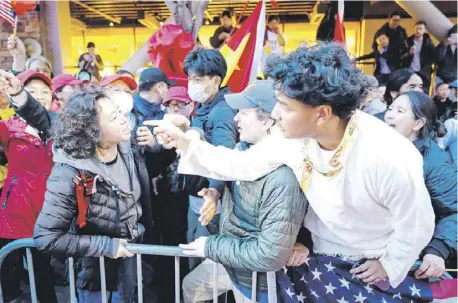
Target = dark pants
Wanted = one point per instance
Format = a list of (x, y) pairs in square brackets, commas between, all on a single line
[(126, 291), (170, 223), (12, 269)]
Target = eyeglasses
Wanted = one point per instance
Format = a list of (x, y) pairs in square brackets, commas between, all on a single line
[(177, 105)]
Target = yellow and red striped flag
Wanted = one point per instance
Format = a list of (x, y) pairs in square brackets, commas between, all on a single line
[(243, 51)]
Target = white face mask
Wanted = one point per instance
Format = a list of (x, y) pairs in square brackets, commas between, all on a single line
[(197, 92)]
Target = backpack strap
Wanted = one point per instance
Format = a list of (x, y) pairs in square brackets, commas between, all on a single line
[(84, 185)]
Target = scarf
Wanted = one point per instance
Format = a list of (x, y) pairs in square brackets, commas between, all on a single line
[(148, 110)]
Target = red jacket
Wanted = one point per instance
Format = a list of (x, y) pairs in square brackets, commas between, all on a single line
[(29, 165)]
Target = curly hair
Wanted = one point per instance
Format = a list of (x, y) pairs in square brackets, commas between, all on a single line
[(322, 74), (77, 132), (271, 62)]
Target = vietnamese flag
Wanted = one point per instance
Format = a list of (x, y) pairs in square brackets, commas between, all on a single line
[(339, 32), (243, 51)]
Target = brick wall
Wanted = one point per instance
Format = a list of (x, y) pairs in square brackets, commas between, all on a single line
[(28, 27)]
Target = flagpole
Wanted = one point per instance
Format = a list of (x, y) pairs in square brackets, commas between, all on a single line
[(15, 25)]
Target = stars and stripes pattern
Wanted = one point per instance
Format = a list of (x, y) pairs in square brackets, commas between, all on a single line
[(6, 12), (328, 279)]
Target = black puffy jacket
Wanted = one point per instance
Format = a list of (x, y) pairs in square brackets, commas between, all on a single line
[(441, 182), (110, 217)]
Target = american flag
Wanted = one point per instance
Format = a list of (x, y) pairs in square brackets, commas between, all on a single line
[(328, 279), (6, 12)]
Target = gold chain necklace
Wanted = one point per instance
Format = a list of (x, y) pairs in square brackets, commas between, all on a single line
[(335, 161)]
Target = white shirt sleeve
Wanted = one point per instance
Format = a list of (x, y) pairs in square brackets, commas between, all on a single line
[(225, 164), (403, 190)]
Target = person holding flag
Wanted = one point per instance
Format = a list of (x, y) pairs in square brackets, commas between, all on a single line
[(274, 41)]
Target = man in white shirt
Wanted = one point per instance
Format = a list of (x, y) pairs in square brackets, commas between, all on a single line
[(421, 53), (368, 200)]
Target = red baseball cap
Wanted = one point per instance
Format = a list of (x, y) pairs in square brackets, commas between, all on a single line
[(64, 80), (126, 79), (178, 93), (29, 74)]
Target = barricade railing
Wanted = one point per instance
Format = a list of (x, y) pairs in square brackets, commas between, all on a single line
[(139, 250)]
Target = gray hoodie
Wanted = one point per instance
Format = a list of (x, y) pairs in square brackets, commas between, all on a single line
[(127, 201)]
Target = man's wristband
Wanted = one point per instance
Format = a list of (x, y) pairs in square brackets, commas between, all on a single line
[(17, 93)]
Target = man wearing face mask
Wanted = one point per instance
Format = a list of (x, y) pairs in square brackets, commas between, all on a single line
[(206, 69)]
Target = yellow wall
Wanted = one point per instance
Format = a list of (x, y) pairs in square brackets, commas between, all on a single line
[(116, 45), (370, 26)]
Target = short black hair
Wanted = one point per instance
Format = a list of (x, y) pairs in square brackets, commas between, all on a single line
[(226, 14), (322, 74), (381, 33), (395, 13), (395, 81), (205, 62), (421, 22), (451, 31), (440, 84), (91, 44), (272, 18)]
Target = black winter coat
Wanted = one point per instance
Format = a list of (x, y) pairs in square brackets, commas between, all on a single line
[(216, 120), (427, 56), (110, 216), (446, 61), (441, 182), (397, 36), (392, 57)]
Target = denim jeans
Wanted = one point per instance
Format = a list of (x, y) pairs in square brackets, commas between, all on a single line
[(196, 230), (127, 285)]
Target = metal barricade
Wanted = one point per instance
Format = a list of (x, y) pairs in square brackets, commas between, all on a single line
[(139, 250)]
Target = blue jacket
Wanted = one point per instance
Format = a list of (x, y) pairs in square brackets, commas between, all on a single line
[(441, 182), (216, 119)]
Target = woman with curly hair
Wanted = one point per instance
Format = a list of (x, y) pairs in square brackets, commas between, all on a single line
[(92, 138), (414, 115), (29, 156), (370, 214)]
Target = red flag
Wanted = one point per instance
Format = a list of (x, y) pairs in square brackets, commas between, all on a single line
[(274, 4), (243, 51), (339, 33), (21, 7)]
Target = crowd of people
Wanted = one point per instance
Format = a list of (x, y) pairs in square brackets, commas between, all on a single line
[(316, 166), (392, 50)]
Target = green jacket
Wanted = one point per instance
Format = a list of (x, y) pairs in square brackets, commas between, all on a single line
[(259, 224)]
